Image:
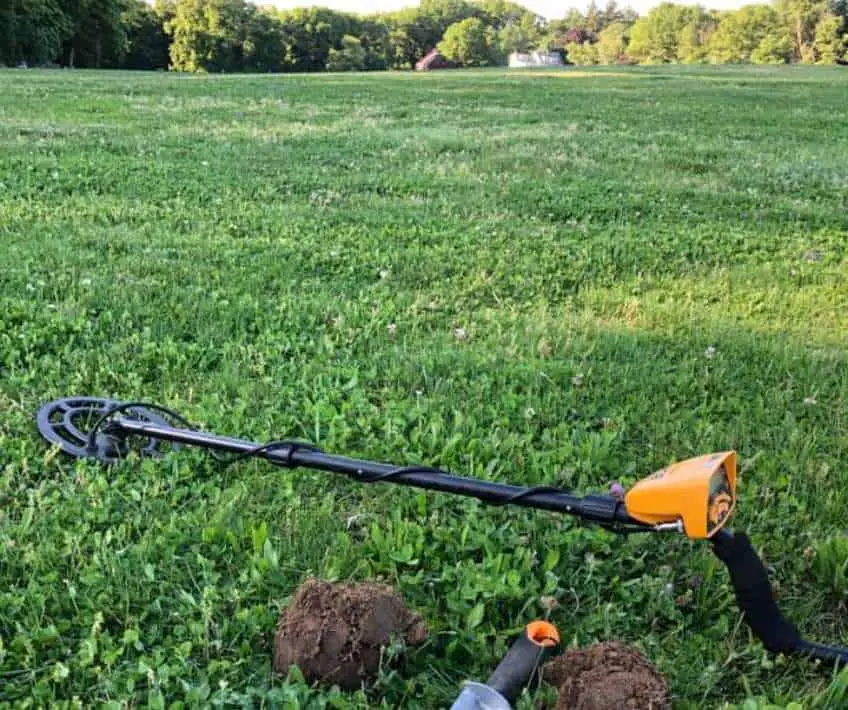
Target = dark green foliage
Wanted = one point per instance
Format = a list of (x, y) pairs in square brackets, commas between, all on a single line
[(801, 17), (147, 43), (375, 37), (740, 35), (351, 56), (265, 43), (656, 38), (518, 29), (239, 36), (31, 30), (830, 42), (789, 30), (414, 31), (97, 38), (612, 43), (209, 35), (405, 43), (470, 43), (310, 34)]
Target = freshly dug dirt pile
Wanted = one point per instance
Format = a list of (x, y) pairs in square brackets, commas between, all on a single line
[(607, 676), (334, 632)]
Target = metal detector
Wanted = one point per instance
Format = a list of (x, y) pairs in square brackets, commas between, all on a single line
[(695, 497)]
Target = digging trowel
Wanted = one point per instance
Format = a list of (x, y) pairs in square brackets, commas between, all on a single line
[(537, 642)]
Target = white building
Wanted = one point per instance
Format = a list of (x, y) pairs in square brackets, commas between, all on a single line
[(535, 59)]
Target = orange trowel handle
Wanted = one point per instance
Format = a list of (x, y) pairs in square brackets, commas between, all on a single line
[(537, 642)]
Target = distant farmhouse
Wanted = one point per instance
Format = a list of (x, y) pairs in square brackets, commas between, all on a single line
[(435, 60), (535, 59)]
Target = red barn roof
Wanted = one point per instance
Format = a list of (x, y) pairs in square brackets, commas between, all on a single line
[(432, 60)]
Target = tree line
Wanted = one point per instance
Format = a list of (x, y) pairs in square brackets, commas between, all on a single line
[(240, 36), (786, 31)]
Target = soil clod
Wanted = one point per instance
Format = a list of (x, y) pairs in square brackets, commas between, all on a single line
[(607, 676), (335, 632)]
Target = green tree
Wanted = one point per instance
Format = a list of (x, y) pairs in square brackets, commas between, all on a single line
[(574, 19), (612, 43), (613, 13), (773, 49), (404, 50), (500, 13), (434, 17), (207, 35), (594, 18), (558, 33), (375, 37), (839, 8), (802, 17), (9, 35), (597, 19), (655, 38), (518, 29), (165, 9), (441, 14), (311, 32), (582, 53), (414, 31), (32, 30), (97, 36), (829, 39), (350, 57), (519, 35), (148, 44), (742, 31), (694, 39), (264, 44), (469, 43)]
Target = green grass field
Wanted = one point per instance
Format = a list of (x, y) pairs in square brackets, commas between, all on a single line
[(563, 278)]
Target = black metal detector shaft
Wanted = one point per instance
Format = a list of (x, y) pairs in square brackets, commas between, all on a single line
[(599, 508), (90, 427)]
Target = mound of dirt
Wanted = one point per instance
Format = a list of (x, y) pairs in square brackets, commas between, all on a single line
[(607, 676), (334, 632)]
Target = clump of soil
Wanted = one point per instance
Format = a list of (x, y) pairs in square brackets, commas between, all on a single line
[(335, 632), (607, 676)]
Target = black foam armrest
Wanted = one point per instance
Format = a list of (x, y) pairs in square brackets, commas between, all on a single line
[(754, 593)]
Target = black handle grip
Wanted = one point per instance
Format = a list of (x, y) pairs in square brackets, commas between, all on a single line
[(754, 593), (538, 641), (756, 600)]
